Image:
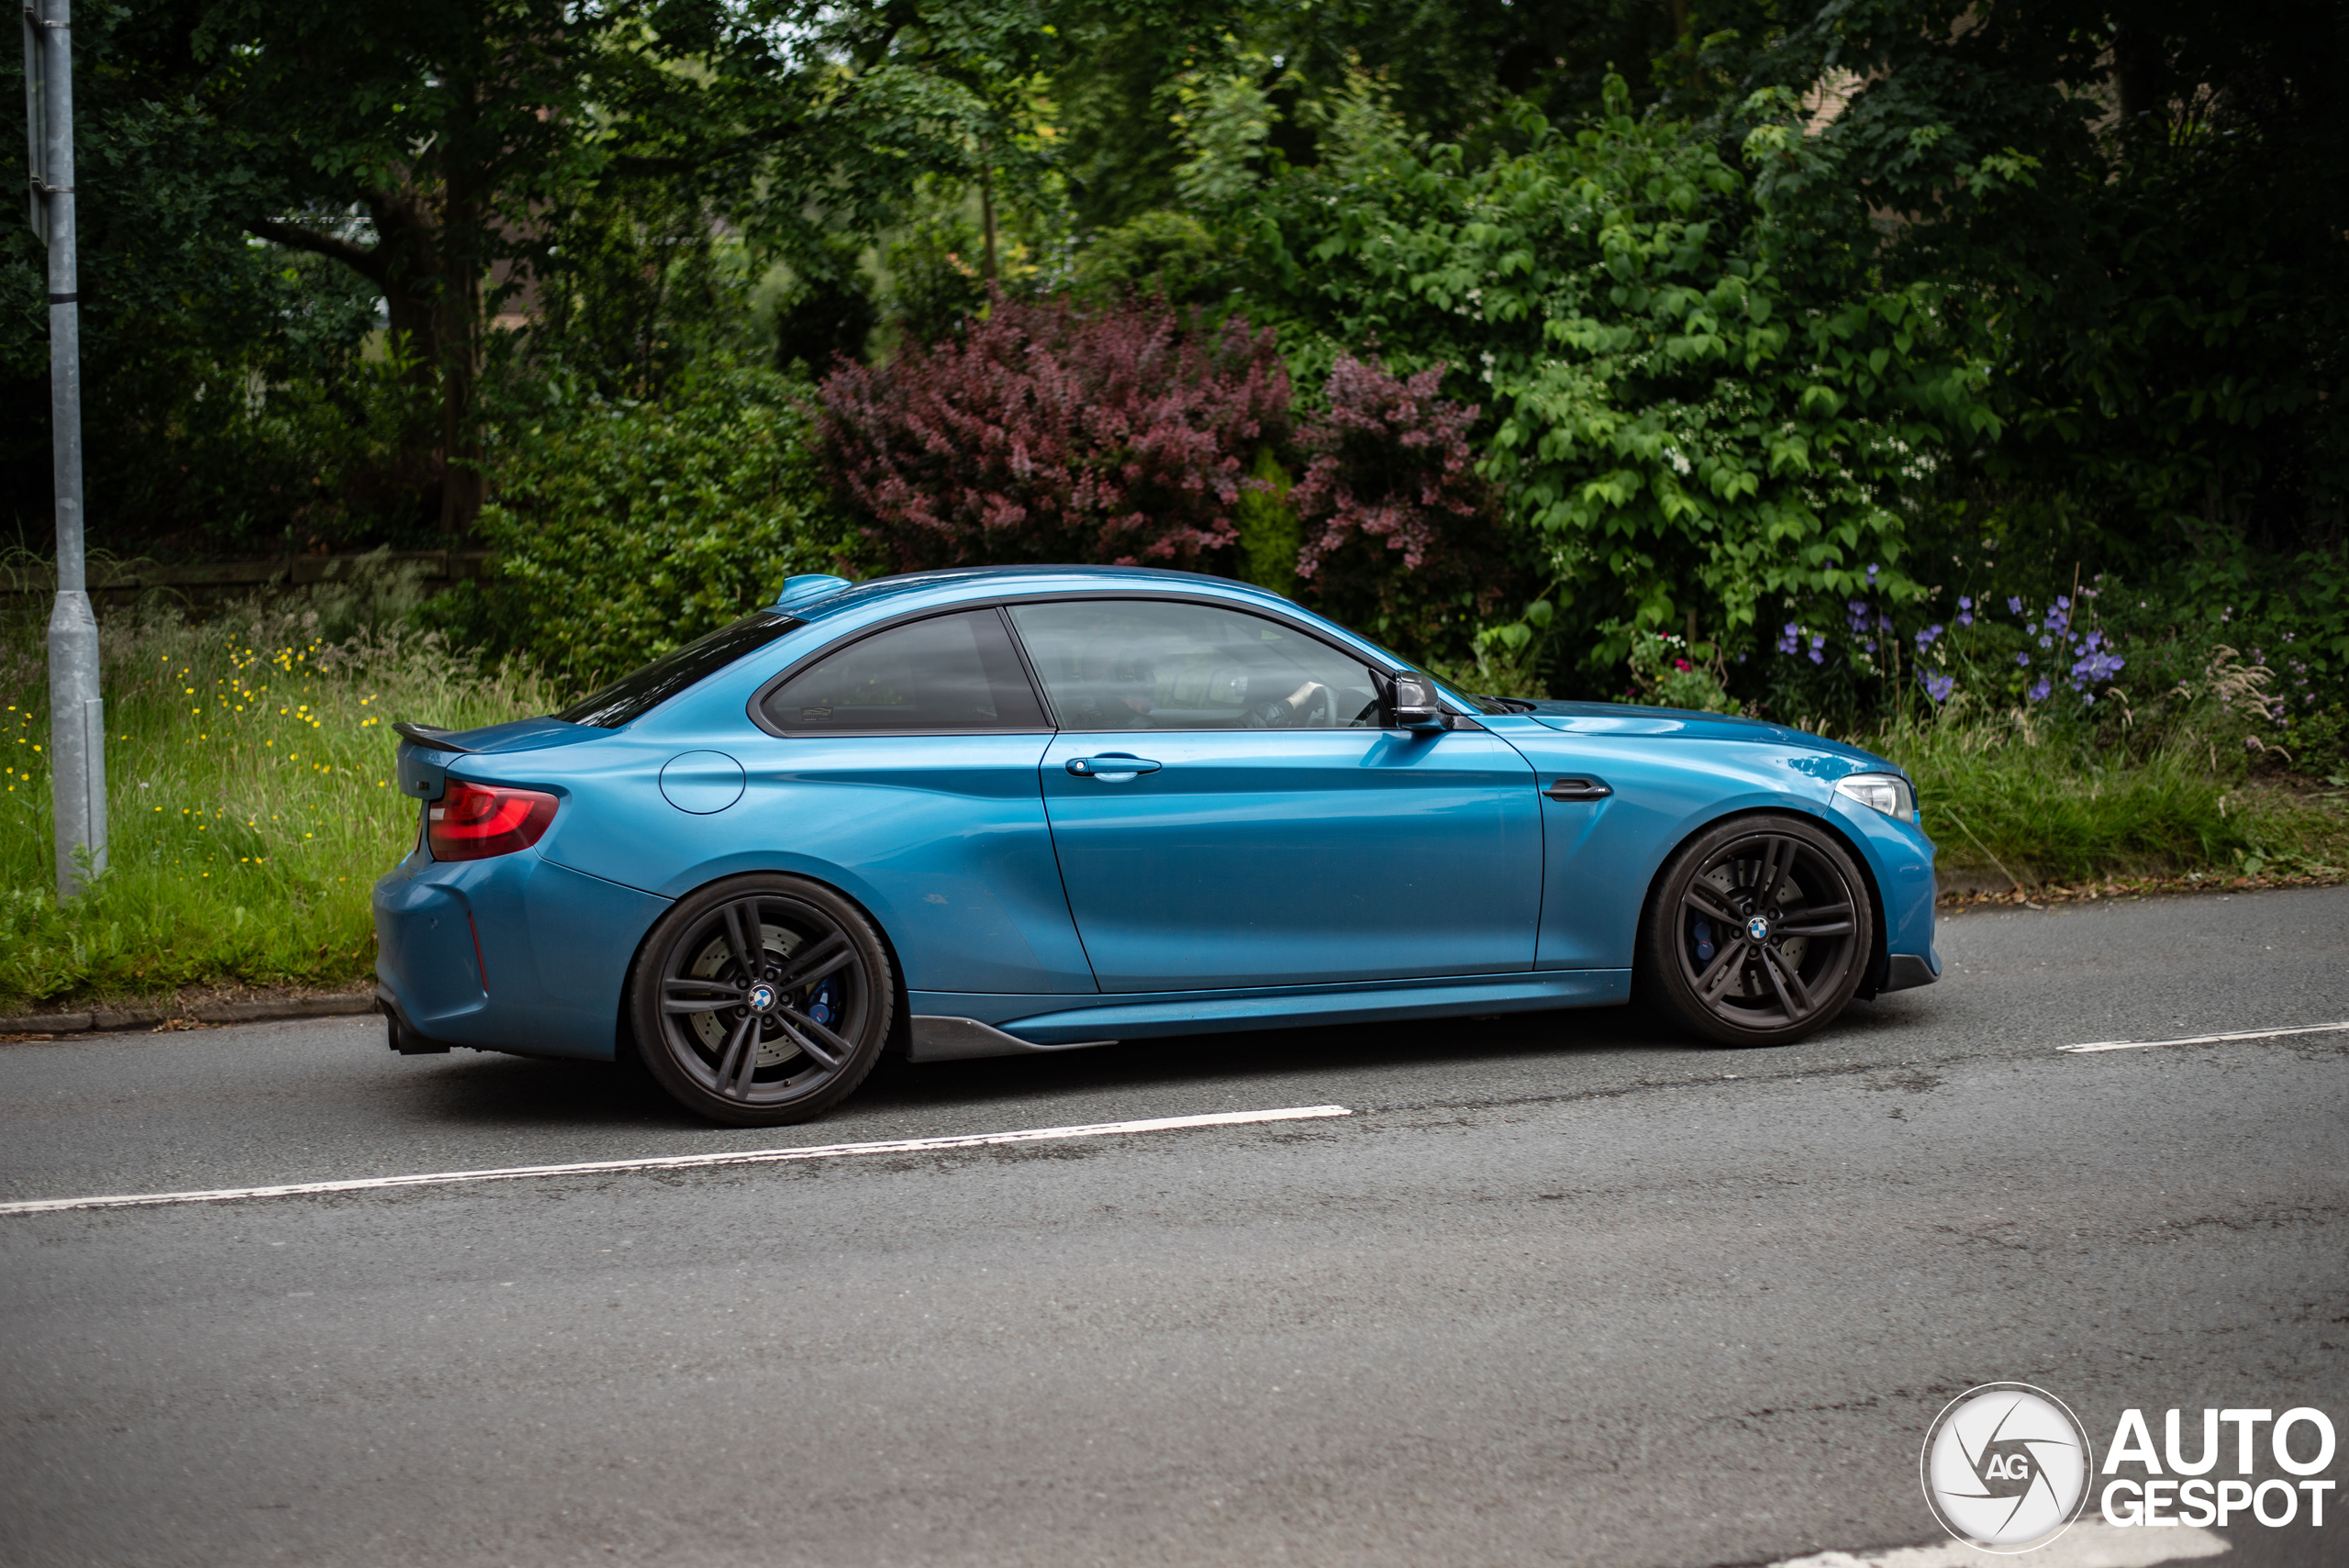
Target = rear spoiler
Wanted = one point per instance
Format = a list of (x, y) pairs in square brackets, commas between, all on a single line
[(426, 735)]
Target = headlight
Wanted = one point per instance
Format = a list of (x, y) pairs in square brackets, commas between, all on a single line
[(1888, 792)]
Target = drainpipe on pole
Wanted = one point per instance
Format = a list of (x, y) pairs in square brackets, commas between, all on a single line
[(76, 713)]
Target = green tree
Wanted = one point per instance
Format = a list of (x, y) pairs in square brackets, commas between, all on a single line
[(1684, 424)]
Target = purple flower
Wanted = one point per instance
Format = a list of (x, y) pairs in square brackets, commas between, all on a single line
[(1925, 637), (1938, 687), (1817, 645), (1790, 640), (1872, 575), (2038, 692), (2097, 667), (1964, 603), (2023, 659), (1965, 618), (2046, 642), (2014, 606), (1855, 615)]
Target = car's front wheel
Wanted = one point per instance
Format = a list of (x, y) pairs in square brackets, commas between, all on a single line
[(762, 1000), (1760, 932)]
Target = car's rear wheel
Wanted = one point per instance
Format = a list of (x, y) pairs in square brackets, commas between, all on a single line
[(1760, 932), (762, 1000)]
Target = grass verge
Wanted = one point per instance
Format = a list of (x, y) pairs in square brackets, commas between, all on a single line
[(253, 803), (2034, 810)]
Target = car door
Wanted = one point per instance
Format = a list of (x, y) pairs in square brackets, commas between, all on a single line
[(1268, 832), (908, 759)]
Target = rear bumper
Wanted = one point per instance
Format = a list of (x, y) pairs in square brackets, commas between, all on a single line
[(515, 953)]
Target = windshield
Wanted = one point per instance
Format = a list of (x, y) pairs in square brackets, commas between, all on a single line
[(632, 696)]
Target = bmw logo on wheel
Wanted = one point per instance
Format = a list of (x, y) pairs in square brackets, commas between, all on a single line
[(762, 997), (1758, 929), (2006, 1467)]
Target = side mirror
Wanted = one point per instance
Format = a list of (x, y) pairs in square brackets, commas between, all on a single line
[(1412, 705)]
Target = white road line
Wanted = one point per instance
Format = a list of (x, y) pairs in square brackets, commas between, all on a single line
[(2206, 1039), (685, 1161)]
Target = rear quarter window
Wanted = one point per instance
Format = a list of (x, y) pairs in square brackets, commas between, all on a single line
[(632, 696)]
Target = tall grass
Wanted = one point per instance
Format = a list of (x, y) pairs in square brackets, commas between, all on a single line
[(2007, 793), (251, 793)]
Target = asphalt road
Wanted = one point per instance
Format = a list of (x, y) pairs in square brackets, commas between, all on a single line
[(1559, 1290)]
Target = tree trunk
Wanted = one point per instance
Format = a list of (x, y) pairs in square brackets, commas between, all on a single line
[(987, 216), (407, 269), (425, 262)]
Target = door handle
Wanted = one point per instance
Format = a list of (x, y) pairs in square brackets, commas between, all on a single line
[(1115, 766), (1579, 789)]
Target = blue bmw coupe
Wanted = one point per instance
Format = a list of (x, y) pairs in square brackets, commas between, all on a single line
[(987, 812)]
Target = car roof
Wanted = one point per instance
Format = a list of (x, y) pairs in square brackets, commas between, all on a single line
[(952, 584)]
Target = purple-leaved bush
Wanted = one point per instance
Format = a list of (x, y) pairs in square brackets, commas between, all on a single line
[(1048, 433), (1389, 500)]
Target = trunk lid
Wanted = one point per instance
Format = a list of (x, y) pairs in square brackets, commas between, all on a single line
[(425, 752)]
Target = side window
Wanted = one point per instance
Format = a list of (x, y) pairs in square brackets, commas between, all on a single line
[(1157, 664), (948, 675)]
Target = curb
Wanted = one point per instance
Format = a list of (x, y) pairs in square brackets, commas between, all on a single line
[(210, 1013)]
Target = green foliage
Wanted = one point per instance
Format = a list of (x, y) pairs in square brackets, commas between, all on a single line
[(1672, 671), (644, 289), (623, 528), (225, 402), (1114, 92), (1678, 424), (1169, 254), (2138, 211), (1224, 119), (1270, 533), (252, 800)]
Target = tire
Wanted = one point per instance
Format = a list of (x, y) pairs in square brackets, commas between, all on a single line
[(789, 1030), (1760, 931)]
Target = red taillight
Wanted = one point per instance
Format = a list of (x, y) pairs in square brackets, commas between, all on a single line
[(472, 822)]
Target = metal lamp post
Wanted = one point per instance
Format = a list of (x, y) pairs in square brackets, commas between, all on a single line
[(77, 725)]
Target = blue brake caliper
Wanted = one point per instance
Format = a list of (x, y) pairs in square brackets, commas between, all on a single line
[(1703, 933), (824, 1002)]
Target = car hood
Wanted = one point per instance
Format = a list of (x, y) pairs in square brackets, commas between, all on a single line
[(1624, 719)]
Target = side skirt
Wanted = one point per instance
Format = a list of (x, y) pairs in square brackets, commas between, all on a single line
[(940, 1039), (945, 1030)]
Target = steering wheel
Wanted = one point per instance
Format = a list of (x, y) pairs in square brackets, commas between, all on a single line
[(1316, 712)]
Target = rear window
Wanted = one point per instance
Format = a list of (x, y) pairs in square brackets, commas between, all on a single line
[(632, 696)]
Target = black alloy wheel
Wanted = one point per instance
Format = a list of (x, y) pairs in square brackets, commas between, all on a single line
[(1760, 932), (762, 1000)]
